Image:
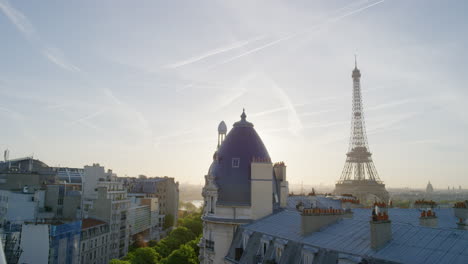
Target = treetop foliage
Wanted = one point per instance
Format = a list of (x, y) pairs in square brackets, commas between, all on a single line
[(180, 246)]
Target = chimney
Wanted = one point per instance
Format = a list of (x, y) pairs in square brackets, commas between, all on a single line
[(380, 226), (312, 219), (461, 212), (428, 218), (348, 201), (280, 174)]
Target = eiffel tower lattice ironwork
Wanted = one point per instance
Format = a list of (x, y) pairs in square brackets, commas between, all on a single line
[(359, 176)]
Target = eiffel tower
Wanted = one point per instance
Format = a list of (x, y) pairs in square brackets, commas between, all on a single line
[(359, 176)]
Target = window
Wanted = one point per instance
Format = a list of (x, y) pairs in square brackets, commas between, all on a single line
[(279, 252), (245, 240), (235, 162), (308, 255), (209, 244), (211, 205), (307, 259)]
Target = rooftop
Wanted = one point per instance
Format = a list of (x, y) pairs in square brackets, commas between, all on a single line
[(90, 222), (411, 242)]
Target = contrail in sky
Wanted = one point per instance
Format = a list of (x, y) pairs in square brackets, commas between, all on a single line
[(292, 35), (22, 23), (274, 110), (87, 117), (356, 11), (212, 53)]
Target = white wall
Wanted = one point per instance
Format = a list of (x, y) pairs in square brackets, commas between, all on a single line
[(35, 244), (2, 254), (261, 189), (17, 207), (91, 176)]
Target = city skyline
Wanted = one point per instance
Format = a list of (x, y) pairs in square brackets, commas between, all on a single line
[(95, 82)]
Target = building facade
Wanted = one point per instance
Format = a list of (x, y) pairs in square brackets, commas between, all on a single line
[(166, 189), (112, 206), (16, 174), (64, 200), (94, 244)]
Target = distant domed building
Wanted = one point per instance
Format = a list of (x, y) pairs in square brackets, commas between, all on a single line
[(242, 185), (429, 188)]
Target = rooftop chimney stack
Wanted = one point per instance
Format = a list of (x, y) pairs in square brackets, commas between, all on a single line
[(380, 226), (280, 174), (312, 219), (428, 218), (461, 212)]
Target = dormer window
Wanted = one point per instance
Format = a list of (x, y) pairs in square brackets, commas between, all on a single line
[(279, 253), (308, 254), (235, 162)]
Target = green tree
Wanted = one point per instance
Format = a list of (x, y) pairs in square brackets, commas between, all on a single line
[(179, 236), (185, 254), (118, 261), (168, 221), (152, 243), (145, 255), (194, 244), (162, 248), (193, 222)]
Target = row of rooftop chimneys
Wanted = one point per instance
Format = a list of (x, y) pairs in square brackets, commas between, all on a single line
[(313, 219)]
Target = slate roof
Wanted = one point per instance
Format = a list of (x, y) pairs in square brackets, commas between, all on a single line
[(411, 242), (313, 201)]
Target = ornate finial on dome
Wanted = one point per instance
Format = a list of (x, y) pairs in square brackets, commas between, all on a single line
[(243, 116), (243, 121)]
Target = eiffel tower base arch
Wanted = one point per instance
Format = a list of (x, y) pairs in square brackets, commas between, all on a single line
[(365, 191)]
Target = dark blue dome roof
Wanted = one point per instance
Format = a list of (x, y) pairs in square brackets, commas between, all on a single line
[(231, 166)]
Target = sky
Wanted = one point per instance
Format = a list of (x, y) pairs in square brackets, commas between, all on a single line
[(140, 87)]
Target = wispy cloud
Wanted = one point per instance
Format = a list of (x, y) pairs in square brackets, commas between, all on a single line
[(87, 117), (214, 52), (326, 124), (166, 139), (388, 123), (393, 104), (314, 113), (293, 35), (22, 23), (294, 122), (11, 113), (142, 126), (57, 57), (236, 92), (274, 110), (424, 141)]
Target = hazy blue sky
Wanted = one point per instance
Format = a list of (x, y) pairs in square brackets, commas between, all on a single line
[(140, 86)]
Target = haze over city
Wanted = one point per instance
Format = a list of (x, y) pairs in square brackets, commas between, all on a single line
[(141, 89)]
